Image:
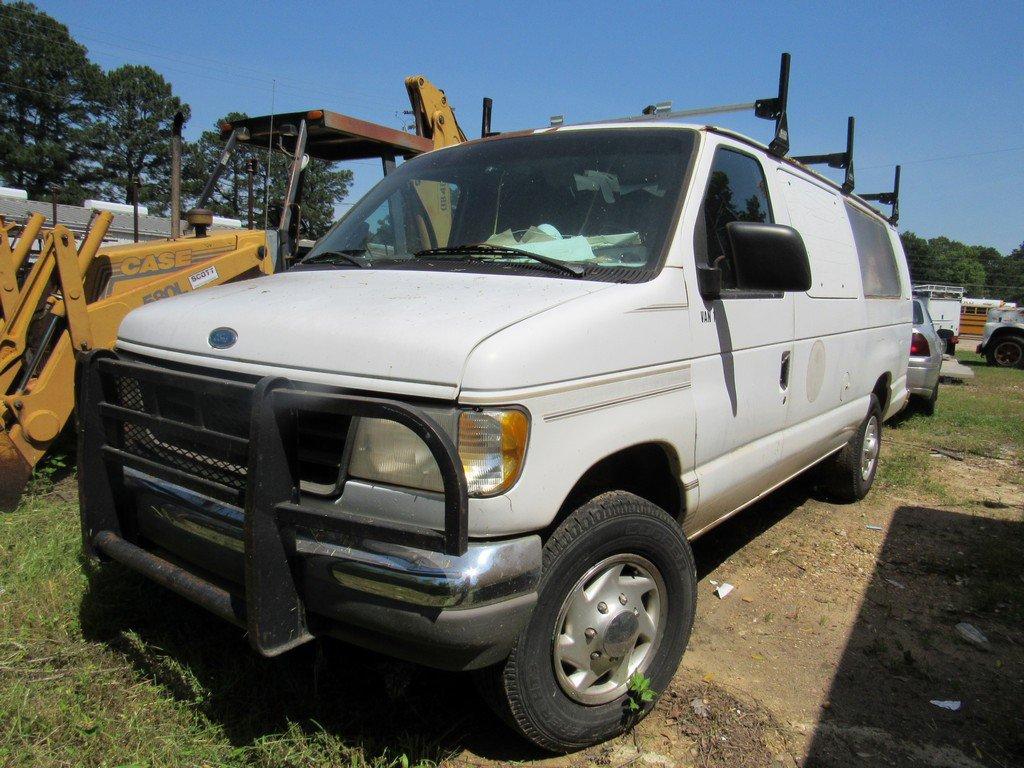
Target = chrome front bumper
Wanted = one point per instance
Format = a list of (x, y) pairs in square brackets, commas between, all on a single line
[(486, 573), (453, 612)]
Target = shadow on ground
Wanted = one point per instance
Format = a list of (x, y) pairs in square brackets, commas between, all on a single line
[(364, 699), (937, 568), (368, 701)]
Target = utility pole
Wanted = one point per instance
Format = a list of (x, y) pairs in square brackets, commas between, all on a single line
[(251, 167), (54, 189), (135, 204), (179, 121)]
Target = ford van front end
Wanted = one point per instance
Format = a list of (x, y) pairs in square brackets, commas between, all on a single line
[(208, 485)]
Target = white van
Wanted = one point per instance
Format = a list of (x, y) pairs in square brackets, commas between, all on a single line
[(482, 423)]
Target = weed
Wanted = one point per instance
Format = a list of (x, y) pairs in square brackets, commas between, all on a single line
[(44, 474), (640, 693)]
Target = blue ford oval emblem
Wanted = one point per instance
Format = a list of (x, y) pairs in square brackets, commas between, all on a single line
[(222, 338)]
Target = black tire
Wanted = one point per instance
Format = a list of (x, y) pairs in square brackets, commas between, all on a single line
[(950, 347), (841, 474), (926, 405), (524, 690), (1005, 352)]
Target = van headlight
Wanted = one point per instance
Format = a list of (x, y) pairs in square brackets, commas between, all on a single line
[(491, 444)]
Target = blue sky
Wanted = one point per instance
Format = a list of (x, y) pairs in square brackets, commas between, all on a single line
[(937, 86)]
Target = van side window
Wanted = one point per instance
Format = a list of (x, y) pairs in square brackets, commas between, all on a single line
[(737, 191), (874, 251)]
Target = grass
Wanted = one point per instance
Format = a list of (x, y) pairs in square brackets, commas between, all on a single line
[(100, 667), (984, 418)]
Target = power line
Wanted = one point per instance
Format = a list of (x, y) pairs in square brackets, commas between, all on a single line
[(237, 73), (148, 46), (32, 90), (149, 49), (940, 159)]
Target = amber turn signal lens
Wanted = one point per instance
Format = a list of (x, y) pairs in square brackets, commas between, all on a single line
[(492, 446)]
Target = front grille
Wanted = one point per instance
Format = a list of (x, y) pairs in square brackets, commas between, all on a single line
[(158, 418), (224, 465), (320, 438)]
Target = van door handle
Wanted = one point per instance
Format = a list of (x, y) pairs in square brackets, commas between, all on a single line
[(784, 373)]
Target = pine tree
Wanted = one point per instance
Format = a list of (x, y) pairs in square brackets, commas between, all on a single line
[(48, 104), (132, 138)]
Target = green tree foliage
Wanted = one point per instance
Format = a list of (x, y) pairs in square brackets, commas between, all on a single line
[(230, 197), (325, 187), (47, 103), (981, 270), (132, 139)]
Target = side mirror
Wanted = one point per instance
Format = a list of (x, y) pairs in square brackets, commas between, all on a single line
[(768, 257)]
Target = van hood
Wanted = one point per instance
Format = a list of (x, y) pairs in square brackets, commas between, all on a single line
[(386, 325)]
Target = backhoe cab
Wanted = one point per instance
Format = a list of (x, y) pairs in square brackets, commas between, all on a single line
[(73, 297)]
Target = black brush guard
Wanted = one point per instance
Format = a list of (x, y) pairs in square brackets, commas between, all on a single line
[(272, 607)]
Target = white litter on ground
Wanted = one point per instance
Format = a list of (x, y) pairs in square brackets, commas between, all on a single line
[(723, 590), (951, 705), (972, 634)]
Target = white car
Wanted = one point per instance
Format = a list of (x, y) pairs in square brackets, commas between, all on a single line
[(480, 427)]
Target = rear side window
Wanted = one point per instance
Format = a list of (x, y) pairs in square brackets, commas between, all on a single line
[(737, 191), (918, 313), (874, 250)]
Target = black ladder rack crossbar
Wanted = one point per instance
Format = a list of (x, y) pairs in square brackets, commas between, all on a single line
[(842, 160), (773, 108), (891, 199)]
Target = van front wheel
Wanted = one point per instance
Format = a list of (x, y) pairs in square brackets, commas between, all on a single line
[(616, 597), (848, 475)]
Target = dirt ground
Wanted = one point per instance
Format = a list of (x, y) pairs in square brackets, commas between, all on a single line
[(841, 632)]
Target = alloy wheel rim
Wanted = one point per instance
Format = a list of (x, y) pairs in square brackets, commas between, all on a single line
[(610, 626), (869, 451), (1008, 354)]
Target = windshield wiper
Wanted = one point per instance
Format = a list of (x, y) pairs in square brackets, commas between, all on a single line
[(348, 255), (500, 250)]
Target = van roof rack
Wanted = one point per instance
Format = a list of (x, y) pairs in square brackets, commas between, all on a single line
[(767, 109), (841, 160), (888, 198)]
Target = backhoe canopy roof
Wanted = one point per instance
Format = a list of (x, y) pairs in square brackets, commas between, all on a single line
[(331, 136)]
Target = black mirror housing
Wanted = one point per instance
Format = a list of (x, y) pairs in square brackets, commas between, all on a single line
[(768, 257), (709, 282)]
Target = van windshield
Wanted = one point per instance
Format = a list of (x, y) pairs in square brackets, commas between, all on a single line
[(591, 203)]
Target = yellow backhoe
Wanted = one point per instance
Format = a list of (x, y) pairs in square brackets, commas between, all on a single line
[(73, 297)]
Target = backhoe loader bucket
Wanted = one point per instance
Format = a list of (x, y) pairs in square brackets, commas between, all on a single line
[(14, 473)]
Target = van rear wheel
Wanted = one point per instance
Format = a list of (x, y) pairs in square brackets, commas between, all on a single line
[(617, 597), (848, 475)]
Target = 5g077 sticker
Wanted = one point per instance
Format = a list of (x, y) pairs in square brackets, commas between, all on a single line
[(202, 277)]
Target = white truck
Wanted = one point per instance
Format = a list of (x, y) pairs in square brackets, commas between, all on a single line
[(1003, 341), (482, 433), (944, 305)]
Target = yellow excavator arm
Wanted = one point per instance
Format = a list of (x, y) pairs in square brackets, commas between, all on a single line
[(434, 116)]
